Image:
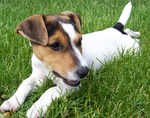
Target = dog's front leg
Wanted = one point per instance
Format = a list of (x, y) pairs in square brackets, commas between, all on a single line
[(39, 108), (26, 87), (14, 102)]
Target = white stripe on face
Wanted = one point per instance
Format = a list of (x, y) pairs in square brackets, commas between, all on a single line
[(69, 29)]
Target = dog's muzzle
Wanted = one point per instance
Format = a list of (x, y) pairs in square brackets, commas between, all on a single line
[(81, 73)]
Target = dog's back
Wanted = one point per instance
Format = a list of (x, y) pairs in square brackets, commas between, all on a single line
[(101, 46)]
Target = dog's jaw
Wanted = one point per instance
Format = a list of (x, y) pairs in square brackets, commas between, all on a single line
[(72, 82)]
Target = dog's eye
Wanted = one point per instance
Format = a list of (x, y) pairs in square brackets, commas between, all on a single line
[(55, 46)]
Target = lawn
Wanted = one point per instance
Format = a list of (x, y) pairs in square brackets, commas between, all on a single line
[(121, 89)]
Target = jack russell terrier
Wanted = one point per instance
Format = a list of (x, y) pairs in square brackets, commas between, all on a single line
[(60, 50)]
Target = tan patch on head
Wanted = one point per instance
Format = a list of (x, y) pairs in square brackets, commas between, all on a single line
[(61, 38), (61, 61)]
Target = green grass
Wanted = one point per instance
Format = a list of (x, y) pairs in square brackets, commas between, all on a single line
[(121, 89)]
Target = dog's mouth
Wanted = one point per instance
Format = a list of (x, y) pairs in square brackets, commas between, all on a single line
[(73, 83)]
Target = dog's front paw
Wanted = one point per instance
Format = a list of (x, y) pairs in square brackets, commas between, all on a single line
[(10, 105), (36, 111)]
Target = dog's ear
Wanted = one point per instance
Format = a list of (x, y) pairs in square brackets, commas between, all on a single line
[(34, 29), (76, 18)]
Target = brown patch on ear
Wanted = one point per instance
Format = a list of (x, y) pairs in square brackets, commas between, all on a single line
[(76, 19), (34, 29)]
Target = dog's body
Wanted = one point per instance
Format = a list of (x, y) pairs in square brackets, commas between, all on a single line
[(65, 61), (109, 47)]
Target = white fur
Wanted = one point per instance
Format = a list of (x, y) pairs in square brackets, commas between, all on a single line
[(103, 45), (72, 35), (69, 29)]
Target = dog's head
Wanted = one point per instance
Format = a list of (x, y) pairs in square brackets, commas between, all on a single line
[(56, 41)]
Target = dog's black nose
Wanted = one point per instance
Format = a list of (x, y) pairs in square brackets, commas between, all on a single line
[(82, 71)]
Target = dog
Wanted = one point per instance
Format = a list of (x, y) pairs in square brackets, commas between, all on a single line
[(60, 50)]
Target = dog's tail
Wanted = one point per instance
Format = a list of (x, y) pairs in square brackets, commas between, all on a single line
[(125, 14), (124, 17)]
